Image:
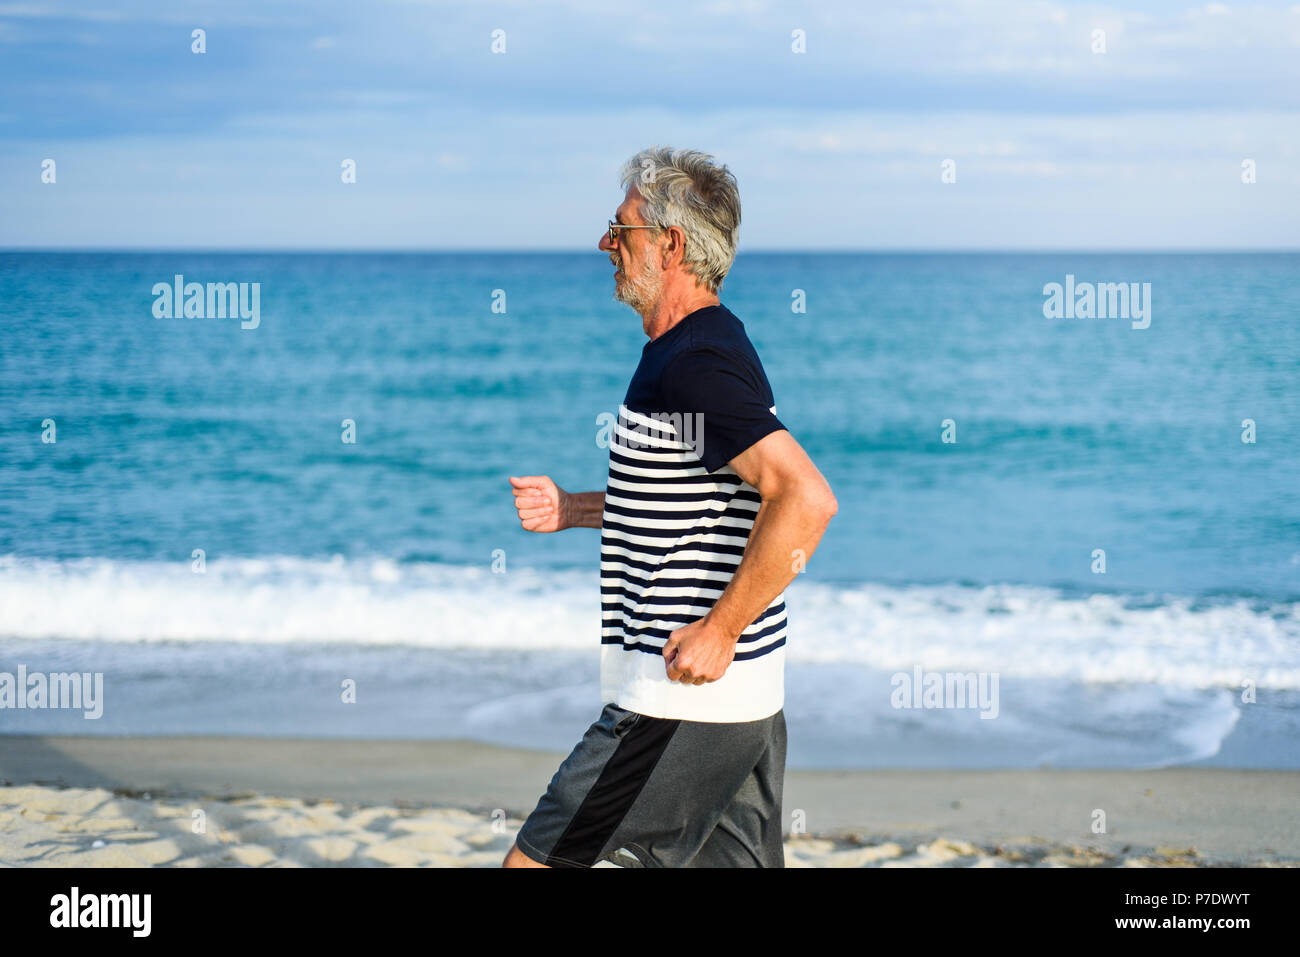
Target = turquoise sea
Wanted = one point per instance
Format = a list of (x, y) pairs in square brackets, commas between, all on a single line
[(396, 561)]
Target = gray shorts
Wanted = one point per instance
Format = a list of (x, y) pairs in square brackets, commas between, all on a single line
[(668, 792)]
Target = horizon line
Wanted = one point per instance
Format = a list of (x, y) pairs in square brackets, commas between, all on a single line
[(488, 250)]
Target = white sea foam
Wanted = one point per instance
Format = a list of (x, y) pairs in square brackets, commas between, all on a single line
[(1038, 632), (1016, 631)]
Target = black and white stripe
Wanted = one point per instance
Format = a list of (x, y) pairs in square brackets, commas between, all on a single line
[(671, 538)]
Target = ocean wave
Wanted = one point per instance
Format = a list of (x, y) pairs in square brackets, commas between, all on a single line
[(1013, 630)]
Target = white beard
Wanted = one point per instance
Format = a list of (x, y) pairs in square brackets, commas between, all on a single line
[(641, 292)]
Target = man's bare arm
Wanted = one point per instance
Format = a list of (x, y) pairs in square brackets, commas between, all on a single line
[(797, 505), (584, 509), (545, 507)]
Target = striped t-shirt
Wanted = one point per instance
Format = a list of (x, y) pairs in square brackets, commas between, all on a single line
[(677, 518)]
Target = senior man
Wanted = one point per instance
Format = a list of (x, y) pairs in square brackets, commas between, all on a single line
[(710, 510)]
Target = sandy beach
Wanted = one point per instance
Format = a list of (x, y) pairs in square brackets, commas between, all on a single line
[(205, 802)]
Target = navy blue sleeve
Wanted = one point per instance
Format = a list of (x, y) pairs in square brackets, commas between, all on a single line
[(733, 399)]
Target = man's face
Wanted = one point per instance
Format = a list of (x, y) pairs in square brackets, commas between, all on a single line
[(638, 280)]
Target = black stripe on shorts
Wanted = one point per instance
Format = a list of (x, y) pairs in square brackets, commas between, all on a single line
[(614, 792)]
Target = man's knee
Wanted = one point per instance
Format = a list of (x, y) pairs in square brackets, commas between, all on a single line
[(517, 858)]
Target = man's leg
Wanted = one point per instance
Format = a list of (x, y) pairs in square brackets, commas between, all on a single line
[(749, 832), (713, 775), (658, 788), (591, 793), (517, 858)]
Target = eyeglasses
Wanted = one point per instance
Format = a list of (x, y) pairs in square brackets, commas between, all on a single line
[(613, 226)]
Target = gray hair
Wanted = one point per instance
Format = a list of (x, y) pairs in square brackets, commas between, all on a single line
[(686, 188)]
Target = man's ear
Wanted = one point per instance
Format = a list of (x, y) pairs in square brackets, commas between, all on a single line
[(675, 251)]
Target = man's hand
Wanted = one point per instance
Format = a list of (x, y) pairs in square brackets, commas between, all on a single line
[(699, 652), (540, 503), (545, 507)]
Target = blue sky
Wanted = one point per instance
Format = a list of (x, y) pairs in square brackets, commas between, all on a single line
[(1055, 146)]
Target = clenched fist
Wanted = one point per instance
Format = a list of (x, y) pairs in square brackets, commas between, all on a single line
[(698, 653), (542, 505)]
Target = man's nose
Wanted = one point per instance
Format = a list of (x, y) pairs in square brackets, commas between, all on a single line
[(605, 245)]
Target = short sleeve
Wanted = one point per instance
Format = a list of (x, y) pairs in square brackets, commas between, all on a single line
[(734, 403)]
